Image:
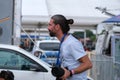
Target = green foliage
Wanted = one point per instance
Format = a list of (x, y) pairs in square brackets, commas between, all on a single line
[(79, 34), (90, 35)]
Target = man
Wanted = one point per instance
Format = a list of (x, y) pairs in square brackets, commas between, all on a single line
[(72, 55)]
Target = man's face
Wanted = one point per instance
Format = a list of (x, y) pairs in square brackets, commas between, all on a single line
[(51, 28)]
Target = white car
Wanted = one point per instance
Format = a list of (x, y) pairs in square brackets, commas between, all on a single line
[(48, 50), (24, 65)]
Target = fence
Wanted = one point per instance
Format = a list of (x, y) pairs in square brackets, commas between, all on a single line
[(104, 68)]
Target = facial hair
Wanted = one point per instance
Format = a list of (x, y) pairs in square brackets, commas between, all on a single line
[(52, 34)]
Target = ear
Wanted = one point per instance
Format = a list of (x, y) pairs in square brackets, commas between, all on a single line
[(57, 27)]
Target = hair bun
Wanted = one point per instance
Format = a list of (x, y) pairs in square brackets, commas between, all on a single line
[(70, 21)]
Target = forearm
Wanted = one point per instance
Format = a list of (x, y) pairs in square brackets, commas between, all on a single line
[(85, 65)]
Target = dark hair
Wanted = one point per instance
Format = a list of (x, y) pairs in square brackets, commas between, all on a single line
[(63, 22), (7, 75)]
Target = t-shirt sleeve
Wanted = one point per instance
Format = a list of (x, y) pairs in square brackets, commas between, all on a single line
[(77, 50)]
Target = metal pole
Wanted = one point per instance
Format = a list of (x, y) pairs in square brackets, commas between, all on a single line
[(84, 38)]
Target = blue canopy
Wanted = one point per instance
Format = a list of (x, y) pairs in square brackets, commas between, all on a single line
[(114, 19)]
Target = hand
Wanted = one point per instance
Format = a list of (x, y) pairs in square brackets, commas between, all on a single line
[(66, 74)]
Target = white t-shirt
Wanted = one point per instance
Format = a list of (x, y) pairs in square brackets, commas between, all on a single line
[(71, 50)]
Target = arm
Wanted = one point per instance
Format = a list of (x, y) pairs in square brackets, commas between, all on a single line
[(85, 65)]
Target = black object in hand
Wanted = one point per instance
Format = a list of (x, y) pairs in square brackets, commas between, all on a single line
[(57, 72)]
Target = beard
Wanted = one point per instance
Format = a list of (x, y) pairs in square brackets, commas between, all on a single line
[(52, 34)]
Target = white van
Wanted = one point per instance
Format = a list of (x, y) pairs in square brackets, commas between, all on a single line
[(107, 54), (105, 39), (48, 50)]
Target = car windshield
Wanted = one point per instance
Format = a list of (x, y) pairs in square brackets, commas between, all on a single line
[(49, 46)]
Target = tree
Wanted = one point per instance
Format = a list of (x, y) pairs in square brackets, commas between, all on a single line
[(89, 34), (78, 34)]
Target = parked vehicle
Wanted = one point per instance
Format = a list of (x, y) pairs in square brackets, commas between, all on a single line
[(105, 39), (107, 53), (47, 49), (24, 65)]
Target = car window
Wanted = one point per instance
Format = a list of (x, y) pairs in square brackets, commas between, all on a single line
[(10, 59), (49, 46)]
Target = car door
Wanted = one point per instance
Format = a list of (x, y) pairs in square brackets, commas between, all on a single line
[(23, 67)]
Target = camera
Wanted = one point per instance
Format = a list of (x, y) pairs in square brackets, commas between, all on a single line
[(57, 72)]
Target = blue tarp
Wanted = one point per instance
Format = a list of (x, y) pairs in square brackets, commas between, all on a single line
[(114, 19), (32, 36)]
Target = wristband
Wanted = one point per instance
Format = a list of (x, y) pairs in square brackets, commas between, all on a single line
[(73, 72)]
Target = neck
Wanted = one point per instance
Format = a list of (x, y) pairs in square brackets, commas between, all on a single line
[(59, 36), (62, 36)]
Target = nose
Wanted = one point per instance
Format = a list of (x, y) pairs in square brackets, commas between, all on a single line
[(48, 27)]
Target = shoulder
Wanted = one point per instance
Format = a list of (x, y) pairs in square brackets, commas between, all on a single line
[(74, 40)]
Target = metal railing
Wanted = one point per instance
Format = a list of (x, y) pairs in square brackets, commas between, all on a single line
[(104, 68)]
